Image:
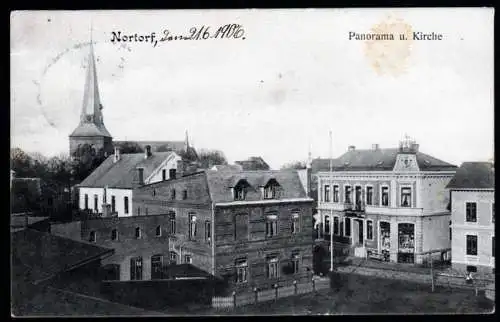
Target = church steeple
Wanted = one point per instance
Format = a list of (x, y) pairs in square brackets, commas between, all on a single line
[(91, 126)]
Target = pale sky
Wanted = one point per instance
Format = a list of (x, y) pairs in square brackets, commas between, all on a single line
[(294, 77)]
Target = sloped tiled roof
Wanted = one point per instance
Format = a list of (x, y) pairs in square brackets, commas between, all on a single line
[(39, 255), (121, 174), (253, 163), (377, 160), (220, 183), (90, 129), (474, 175), (174, 145)]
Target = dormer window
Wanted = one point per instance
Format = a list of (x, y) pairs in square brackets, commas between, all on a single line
[(271, 189), (240, 190)]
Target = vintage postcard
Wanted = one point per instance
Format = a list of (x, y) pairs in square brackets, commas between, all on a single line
[(252, 162)]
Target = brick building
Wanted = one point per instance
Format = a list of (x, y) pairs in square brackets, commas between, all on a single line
[(473, 218), (251, 228), (389, 203)]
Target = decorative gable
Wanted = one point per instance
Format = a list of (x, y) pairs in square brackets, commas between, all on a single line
[(406, 162)]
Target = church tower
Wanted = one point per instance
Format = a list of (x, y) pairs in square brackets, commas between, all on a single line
[(91, 130)]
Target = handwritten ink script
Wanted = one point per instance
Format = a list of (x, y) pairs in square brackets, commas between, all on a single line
[(228, 31), (417, 35)]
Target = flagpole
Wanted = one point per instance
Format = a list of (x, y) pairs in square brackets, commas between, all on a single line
[(331, 208)]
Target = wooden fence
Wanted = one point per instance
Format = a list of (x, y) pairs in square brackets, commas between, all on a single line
[(247, 298)]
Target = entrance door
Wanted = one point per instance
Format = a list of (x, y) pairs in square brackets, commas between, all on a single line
[(360, 231)]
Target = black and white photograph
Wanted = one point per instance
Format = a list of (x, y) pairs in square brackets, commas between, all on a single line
[(252, 162)]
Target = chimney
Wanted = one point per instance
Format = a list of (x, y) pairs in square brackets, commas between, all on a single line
[(351, 148), (117, 155), (375, 147), (147, 151)]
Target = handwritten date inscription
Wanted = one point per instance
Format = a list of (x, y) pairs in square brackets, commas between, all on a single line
[(229, 31)]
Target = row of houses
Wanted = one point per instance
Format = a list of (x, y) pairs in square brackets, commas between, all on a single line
[(254, 228)]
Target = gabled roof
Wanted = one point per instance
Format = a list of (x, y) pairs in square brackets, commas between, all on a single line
[(38, 255), (474, 175), (377, 160), (220, 184), (121, 174)]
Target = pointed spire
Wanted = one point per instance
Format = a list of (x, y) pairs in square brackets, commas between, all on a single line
[(186, 142)]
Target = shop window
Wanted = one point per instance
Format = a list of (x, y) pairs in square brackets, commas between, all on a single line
[(406, 247), (156, 267), (136, 268)]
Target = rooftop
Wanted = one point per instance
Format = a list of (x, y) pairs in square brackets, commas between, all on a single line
[(474, 175), (121, 174)]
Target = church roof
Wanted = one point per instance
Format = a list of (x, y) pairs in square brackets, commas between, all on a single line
[(377, 160), (173, 145), (121, 174), (90, 129), (474, 175)]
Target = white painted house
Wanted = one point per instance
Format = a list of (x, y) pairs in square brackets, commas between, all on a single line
[(473, 218), (108, 190)]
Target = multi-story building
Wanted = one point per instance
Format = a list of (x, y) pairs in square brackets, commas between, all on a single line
[(251, 228), (108, 190), (472, 229), (389, 203)]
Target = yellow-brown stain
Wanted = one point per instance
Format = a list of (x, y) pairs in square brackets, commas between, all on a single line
[(390, 56)]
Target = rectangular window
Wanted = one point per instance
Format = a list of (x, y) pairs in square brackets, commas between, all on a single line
[(136, 269), (295, 263), (192, 227), (335, 193), (96, 208), (471, 245), (384, 196), (470, 212), (327, 193), (208, 231), (92, 237), (369, 229), (158, 231), (173, 258), (239, 192), (184, 194), (241, 270), (369, 195), (147, 212), (164, 174), (493, 246), (156, 267), (272, 267), (114, 234), (137, 232), (347, 194), (406, 197), (271, 191), (113, 204), (172, 194), (471, 269), (125, 204), (295, 223), (86, 205), (172, 223), (335, 225), (450, 229), (347, 223), (271, 225), (327, 225), (172, 173), (188, 259), (138, 211)]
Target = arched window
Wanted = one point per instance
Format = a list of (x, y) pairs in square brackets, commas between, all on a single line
[(271, 189), (240, 190)]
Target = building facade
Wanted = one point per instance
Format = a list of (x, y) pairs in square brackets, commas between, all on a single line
[(473, 218), (388, 203), (251, 228), (108, 190)]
